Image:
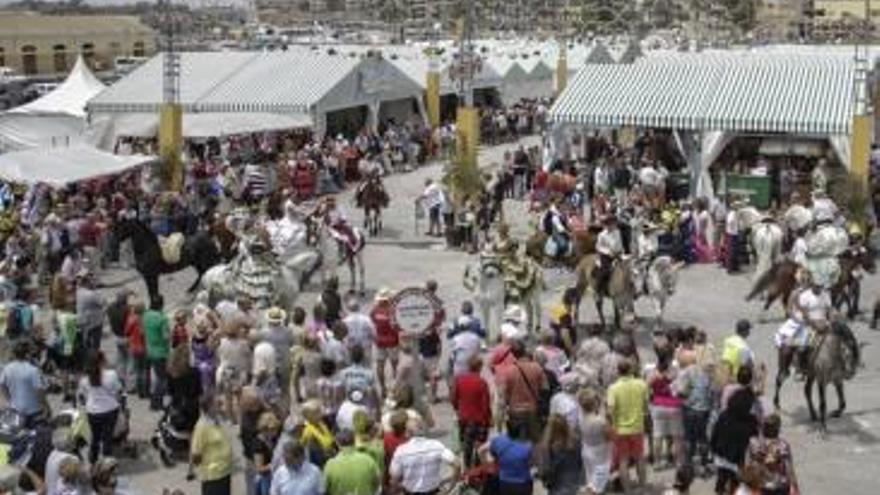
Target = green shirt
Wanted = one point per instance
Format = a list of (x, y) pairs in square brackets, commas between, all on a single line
[(156, 334), (352, 472), (627, 403)]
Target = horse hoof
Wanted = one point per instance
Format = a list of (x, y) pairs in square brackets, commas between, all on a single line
[(836, 414)]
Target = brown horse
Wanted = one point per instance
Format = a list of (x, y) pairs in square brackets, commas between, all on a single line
[(372, 197), (584, 245), (780, 281), (226, 239)]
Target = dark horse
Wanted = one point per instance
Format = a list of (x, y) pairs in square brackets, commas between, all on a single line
[(198, 251), (832, 359), (372, 197), (780, 281)]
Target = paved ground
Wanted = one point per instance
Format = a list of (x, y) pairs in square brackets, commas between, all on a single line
[(840, 462)]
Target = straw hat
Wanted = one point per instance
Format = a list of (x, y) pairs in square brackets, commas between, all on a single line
[(384, 294), (276, 316)]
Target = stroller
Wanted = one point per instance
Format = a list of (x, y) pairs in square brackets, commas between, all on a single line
[(16, 440), (172, 436)]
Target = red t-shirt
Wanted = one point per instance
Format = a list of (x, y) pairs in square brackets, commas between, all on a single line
[(470, 398), (391, 442), (134, 332), (387, 335)]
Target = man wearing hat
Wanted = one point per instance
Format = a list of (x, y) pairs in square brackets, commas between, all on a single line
[(280, 336), (732, 238), (609, 246)]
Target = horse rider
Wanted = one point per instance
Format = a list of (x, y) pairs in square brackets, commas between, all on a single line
[(647, 248), (810, 311), (334, 218), (824, 244), (796, 218), (609, 246), (823, 206), (555, 226)]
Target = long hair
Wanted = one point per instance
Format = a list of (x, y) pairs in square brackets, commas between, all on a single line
[(557, 434), (94, 368)]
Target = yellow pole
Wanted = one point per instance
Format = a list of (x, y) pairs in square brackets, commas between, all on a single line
[(432, 97), (860, 147), (467, 180), (170, 137), (561, 70)]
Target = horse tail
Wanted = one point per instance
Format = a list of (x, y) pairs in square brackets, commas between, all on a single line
[(763, 282)]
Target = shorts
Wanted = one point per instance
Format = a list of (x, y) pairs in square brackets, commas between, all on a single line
[(434, 214), (629, 446), (386, 353), (230, 380), (792, 333), (433, 365), (667, 422)]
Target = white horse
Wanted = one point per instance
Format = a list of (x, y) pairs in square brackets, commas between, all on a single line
[(660, 283), (767, 243), (331, 249), (486, 281)]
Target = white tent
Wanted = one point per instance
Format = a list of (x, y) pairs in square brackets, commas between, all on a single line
[(65, 165), (55, 118), (204, 125)]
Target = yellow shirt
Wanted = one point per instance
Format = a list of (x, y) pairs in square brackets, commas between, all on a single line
[(210, 441), (627, 402)]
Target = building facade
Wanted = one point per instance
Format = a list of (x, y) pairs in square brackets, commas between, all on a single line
[(845, 18), (781, 19), (34, 44)]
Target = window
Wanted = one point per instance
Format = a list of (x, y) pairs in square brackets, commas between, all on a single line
[(88, 54), (115, 48), (139, 49), (2, 57), (29, 59), (59, 58)]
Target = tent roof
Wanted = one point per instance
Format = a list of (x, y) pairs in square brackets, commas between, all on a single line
[(200, 125), (291, 81), (742, 93), (21, 130), (599, 54), (70, 97), (61, 166), (417, 70), (507, 68)]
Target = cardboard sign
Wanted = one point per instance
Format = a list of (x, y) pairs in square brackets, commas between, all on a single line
[(415, 310)]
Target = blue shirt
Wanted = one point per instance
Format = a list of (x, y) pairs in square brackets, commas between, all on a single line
[(24, 385), (306, 480), (513, 457)]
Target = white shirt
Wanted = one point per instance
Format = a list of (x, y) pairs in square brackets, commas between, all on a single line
[(646, 245), (305, 480), (361, 330), (345, 415), (799, 251), (731, 225), (433, 196), (104, 398), (418, 464), (648, 176), (609, 243), (813, 307)]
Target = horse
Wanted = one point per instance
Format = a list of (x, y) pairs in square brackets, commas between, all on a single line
[(766, 241), (226, 239), (198, 251), (220, 282), (781, 279), (372, 197), (334, 252), (621, 288), (584, 244), (659, 283), (833, 359), (486, 281)]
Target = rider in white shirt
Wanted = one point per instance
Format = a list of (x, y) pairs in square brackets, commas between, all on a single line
[(609, 245)]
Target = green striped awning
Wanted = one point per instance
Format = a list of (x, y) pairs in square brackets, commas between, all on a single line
[(743, 93)]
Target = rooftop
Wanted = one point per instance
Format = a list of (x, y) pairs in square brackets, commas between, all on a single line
[(31, 23)]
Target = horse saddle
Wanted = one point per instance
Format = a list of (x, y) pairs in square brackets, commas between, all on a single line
[(171, 247)]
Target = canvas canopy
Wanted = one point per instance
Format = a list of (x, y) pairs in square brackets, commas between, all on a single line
[(70, 97), (65, 165)]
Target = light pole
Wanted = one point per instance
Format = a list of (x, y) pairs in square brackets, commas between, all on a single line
[(170, 112)]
